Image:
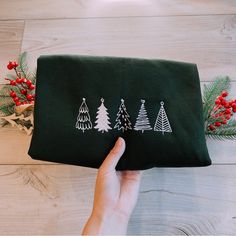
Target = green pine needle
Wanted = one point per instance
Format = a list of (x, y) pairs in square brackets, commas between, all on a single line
[(33, 77), (210, 93), (23, 65), (224, 132), (7, 109), (6, 103), (11, 76)]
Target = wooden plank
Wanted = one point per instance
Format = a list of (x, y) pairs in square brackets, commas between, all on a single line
[(208, 41), (14, 145), (48, 9), (57, 200), (11, 33)]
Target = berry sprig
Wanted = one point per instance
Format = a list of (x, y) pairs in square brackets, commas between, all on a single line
[(222, 111), (25, 86)]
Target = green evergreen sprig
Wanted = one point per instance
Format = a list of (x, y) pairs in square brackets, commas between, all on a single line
[(211, 91), (6, 103), (211, 94), (225, 132)]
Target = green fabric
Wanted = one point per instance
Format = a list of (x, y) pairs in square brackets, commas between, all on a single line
[(64, 80)]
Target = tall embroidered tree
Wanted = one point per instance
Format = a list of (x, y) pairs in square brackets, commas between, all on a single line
[(102, 118), (122, 121), (142, 121), (83, 119), (162, 123)]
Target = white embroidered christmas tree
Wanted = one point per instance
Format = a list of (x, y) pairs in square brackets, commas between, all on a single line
[(162, 123), (83, 119), (102, 122), (142, 121), (122, 121)]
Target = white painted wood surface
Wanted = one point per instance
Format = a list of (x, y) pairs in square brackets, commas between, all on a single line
[(211, 43), (39, 198)]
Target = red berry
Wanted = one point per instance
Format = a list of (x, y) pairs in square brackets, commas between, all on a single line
[(16, 99), (220, 98), (233, 105), (13, 82), (23, 91), (28, 82), (29, 97), (227, 117), (224, 122), (15, 64), (227, 111), (12, 94), (32, 87), (234, 110), (10, 66), (223, 102), (227, 105), (224, 94), (18, 103), (211, 127), (24, 80), (217, 102), (217, 124), (19, 80)]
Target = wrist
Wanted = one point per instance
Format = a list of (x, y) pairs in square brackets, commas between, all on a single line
[(106, 223)]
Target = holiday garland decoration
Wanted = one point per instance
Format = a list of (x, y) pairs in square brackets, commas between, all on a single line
[(19, 92), (218, 110)]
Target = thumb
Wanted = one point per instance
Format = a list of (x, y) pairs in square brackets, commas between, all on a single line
[(114, 156)]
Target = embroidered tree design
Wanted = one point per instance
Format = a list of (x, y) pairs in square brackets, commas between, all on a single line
[(123, 122), (142, 121), (162, 123), (102, 118), (83, 119)]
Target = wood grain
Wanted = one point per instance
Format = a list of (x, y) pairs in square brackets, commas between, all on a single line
[(11, 33), (56, 200), (211, 43), (49, 9), (42, 199)]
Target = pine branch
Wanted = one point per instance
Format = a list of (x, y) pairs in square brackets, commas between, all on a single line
[(11, 76), (227, 131), (23, 65), (222, 134), (33, 77), (210, 93), (7, 109)]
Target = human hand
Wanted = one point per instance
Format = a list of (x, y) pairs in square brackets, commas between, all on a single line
[(115, 196)]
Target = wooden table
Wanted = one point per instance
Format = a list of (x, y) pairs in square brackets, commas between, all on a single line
[(39, 198)]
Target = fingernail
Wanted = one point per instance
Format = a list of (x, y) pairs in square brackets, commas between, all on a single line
[(119, 142)]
